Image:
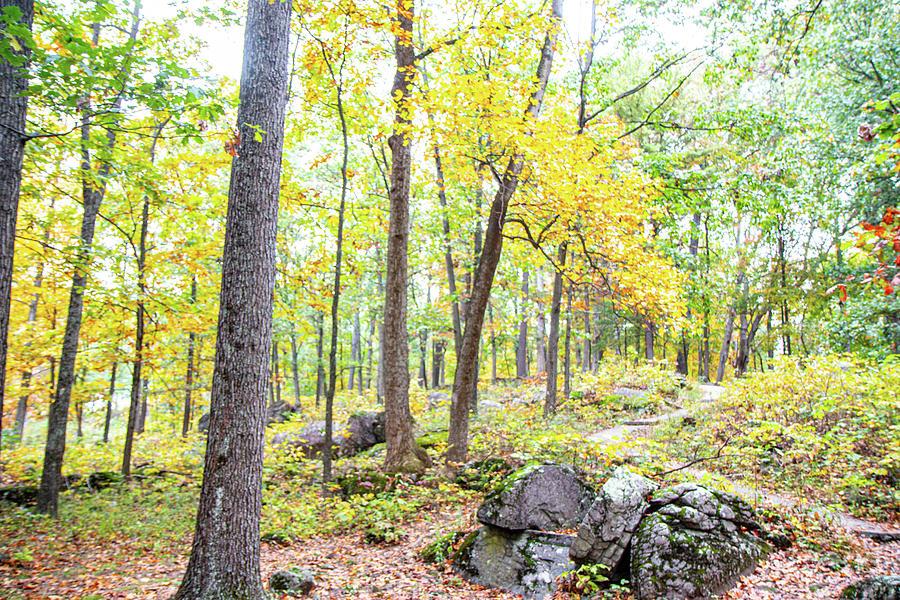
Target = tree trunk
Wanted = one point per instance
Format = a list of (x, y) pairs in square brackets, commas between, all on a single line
[(109, 402), (403, 454), (649, 328), (92, 196), (466, 371), (320, 367), (586, 354), (493, 344), (522, 342), (785, 310), (13, 109), (136, 419), (294, 368), (567, 375), (337, 78), (540, 325), (553, 342), (276, 372), (355, 353), (189, 374), (224, 562)]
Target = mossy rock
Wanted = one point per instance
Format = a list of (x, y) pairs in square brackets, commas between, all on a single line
[(483, 475), (19, 494), (432, 439), (441, 548), (880, 587), (365, 481)]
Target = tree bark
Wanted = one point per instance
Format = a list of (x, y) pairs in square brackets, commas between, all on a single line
[(295, 368), (109, 402), (567, 376), (466, 371), (355, 353), (403, 454), (553, 341), (92, 197), (522, 342), (224, 562), (13, 109), (586, 354), (189, 373), (320, 367), (540, 325)]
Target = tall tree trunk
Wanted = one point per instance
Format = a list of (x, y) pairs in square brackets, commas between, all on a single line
[(466, 371), (587, 333), (437, 359), (785, 310), (295, 368), (540, 326), (403, 454), (13, 109), (379, 378), (355, 353), (553, 342), (135, 418), (109, 402), (320, 367), (649, 329), (224, 562), (522, 342), (493, 344), (93, 190), (189, 373), (276, 371), (567, 375), (22, 405), (337, 78)]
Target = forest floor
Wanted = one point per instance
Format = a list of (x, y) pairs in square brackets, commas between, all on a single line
[(43, 561)]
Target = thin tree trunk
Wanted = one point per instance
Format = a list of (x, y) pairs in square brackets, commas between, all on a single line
[(586, 354), (649, 329), (466, 372), (522, 342), (320, 367), (553, 342), (224, 562), (493, 344), (276, 371), (337, 78), (92, 197), (295, 368), (136, 419), (403, 454), (189, 373), (13, 110), (567, 376), (540, 325), (355, 353), (109, 402)]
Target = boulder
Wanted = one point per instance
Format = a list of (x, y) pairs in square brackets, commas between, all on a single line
[(292, 581), (696, 543), (310, 441), (363, 431), (605, 533), (544, 497), (486, 406), (436, 399), (523, 562), (881, 587), (203, 423), (626, 392), (19, 494)]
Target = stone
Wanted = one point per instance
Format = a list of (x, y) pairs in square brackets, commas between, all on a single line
[(546, 497), (627, 392), (524, 562), (696, 543), (437, 399), (489, 406), (606, 531), (203, 423), (363, 430), (19, 494), (880, 587), (310, 441), (292, 581)]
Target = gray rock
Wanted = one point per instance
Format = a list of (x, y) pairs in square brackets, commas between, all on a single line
[(544, 497), (627, 392), (526, 562), (489, 406), (310, 441), (881, 587), (436, 399), (292, 581), (606, 531), (19, 494), (695, 545), (363, 431), (203, 423)]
